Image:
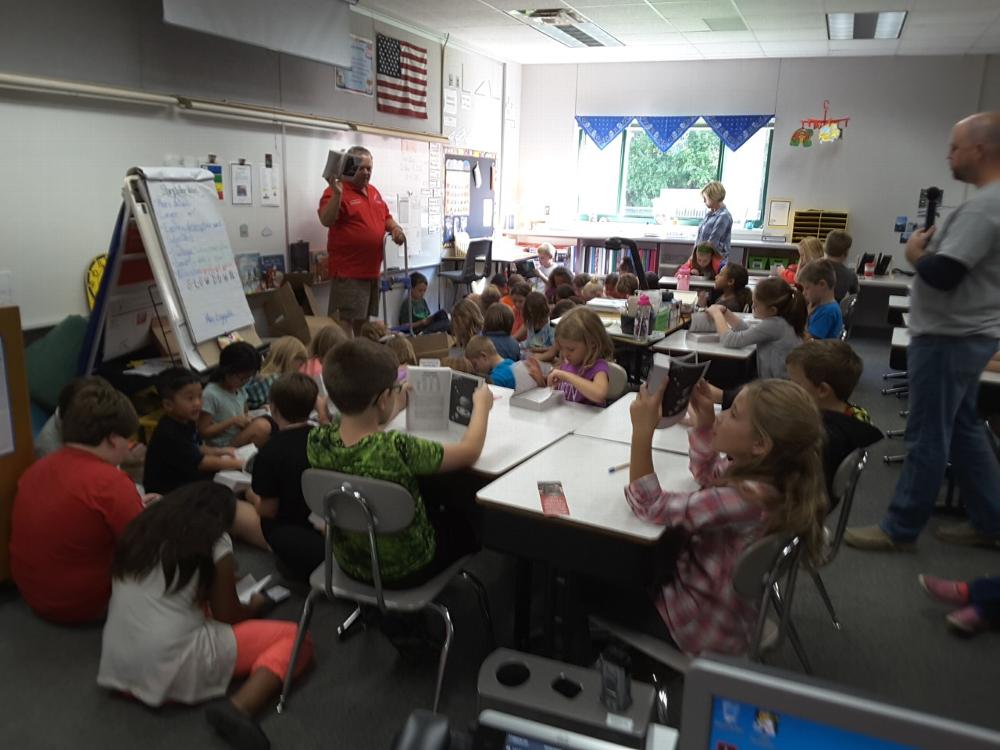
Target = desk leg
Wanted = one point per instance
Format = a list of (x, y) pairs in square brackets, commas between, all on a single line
[(522, 605)]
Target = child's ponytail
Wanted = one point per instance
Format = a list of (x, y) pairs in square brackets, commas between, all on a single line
[(786, 299)]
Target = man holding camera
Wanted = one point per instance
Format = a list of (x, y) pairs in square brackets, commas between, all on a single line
[(955, 326), (357, 219)]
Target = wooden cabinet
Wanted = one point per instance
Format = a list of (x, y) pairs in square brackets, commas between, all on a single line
[(817, 222)]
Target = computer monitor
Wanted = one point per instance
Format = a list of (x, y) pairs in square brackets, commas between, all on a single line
[(738, 706)]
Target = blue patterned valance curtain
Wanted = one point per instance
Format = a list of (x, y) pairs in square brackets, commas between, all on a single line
[(735, 130), (603, 129), (664, 131)]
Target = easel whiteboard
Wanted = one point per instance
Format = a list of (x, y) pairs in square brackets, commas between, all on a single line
[(197, 250)]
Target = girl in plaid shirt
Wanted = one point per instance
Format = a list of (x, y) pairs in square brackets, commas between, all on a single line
[(760, 470)]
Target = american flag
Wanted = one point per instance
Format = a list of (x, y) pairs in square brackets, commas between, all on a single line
[(401, 80)]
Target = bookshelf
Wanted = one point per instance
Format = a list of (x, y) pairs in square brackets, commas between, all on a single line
[(817, 222), (599, 261)]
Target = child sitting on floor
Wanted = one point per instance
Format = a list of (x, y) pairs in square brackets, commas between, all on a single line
[(759, 470), (277, 478), (361, 380), (287, 354), (176, 456), (224, 420), (72, 505), (173, 565), (497, 326)]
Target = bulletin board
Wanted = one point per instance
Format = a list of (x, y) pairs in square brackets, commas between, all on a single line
[(470, 181)]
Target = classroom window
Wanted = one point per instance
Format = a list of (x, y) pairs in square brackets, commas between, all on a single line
[(632, 179)]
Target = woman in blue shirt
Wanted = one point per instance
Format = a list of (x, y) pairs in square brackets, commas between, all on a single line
[(716, 228)]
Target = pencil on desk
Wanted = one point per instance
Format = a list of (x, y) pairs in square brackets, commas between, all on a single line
[(619, 467)]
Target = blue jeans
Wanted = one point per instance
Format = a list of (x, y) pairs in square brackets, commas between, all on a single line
[(984, 595), (944, 424)]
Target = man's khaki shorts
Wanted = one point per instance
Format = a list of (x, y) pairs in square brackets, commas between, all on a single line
[(353, 299)]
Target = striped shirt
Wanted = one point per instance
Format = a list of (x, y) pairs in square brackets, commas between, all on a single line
[(699, 605), (716, 229)]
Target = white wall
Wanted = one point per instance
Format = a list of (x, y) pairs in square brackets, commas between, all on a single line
[(901, 110), (67, 157)]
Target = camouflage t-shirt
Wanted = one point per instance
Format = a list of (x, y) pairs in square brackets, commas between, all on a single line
[(393, 457)]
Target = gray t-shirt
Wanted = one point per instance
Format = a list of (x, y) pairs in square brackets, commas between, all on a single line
[(847, 280), (223, 405), (970, 235), (774, 338)]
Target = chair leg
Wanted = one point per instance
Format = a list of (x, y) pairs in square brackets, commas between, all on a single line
[(895, 433), (299, 635), (825, 596), (895, 389), (790, 631), (344, 629), (484, 604), (449, 631), (896, 459)]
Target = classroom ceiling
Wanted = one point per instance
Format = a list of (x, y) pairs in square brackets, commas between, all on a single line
[(683, 29)]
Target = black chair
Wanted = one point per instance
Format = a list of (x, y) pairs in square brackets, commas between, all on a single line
[(618, 243), (479, 250)]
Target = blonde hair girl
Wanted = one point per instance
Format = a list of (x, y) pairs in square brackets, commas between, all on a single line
[(760, 471), (585, 348), (810, 249), (287, 354)]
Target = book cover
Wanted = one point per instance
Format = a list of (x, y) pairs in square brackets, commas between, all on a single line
[(429, 399), (682, 375), (460, 404), (248, 266)]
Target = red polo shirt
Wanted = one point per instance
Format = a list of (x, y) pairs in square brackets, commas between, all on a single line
[(354, 242), (70, 509)]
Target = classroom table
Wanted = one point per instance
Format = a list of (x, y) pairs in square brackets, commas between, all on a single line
[(615, 424), (683, 342), (900, 302), (513, 434), (886, 281), (601, 537)]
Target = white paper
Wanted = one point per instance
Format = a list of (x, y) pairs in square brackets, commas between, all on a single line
[(247, 586), (450, 121), (402, 212), (242, 183), (269, 193), (450, 101), (151, 367), (466, 101), (237, 481), (6, 416), (428, 399), (245, 452), (487, 212)]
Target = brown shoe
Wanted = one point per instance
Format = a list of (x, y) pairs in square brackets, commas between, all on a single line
[(872, 538), (965, 534)]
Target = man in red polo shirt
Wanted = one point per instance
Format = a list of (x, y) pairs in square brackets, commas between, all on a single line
[(357, 219)]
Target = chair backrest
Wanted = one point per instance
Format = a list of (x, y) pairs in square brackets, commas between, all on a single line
[(761, 568), (847, 306), (617, 381), (478, 250), (358, 504), (845, 484)]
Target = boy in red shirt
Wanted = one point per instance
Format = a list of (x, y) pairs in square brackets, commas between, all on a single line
[(72, 506)]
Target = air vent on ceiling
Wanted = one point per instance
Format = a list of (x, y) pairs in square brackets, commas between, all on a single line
[(566, 26)]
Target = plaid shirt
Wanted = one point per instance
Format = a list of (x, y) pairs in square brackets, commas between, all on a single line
[(699, 606), (716, 229), (258, 390)]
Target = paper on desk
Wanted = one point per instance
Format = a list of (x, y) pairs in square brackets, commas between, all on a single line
[(247, 586), (151, 367)]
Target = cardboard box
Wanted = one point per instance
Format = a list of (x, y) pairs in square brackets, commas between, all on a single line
[(284, 315), (431, 346)]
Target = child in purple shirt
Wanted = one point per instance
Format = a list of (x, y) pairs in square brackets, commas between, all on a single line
[(585, 348)]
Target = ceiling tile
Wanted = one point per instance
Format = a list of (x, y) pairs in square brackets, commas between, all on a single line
[(955, 6), (790, 35), (689, 24), (941, 31), (759, 7), (971, 17), (787, 21), (647, 38), (631, 13), (795, 49), (864, 6), (636, 27), (707, 37), (728, 51), (864, 46), (704, 9), (954, 46)]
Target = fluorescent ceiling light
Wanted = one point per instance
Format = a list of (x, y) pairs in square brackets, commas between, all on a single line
[(885, 25), (566, 27), (840, 25), (890, 24)]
